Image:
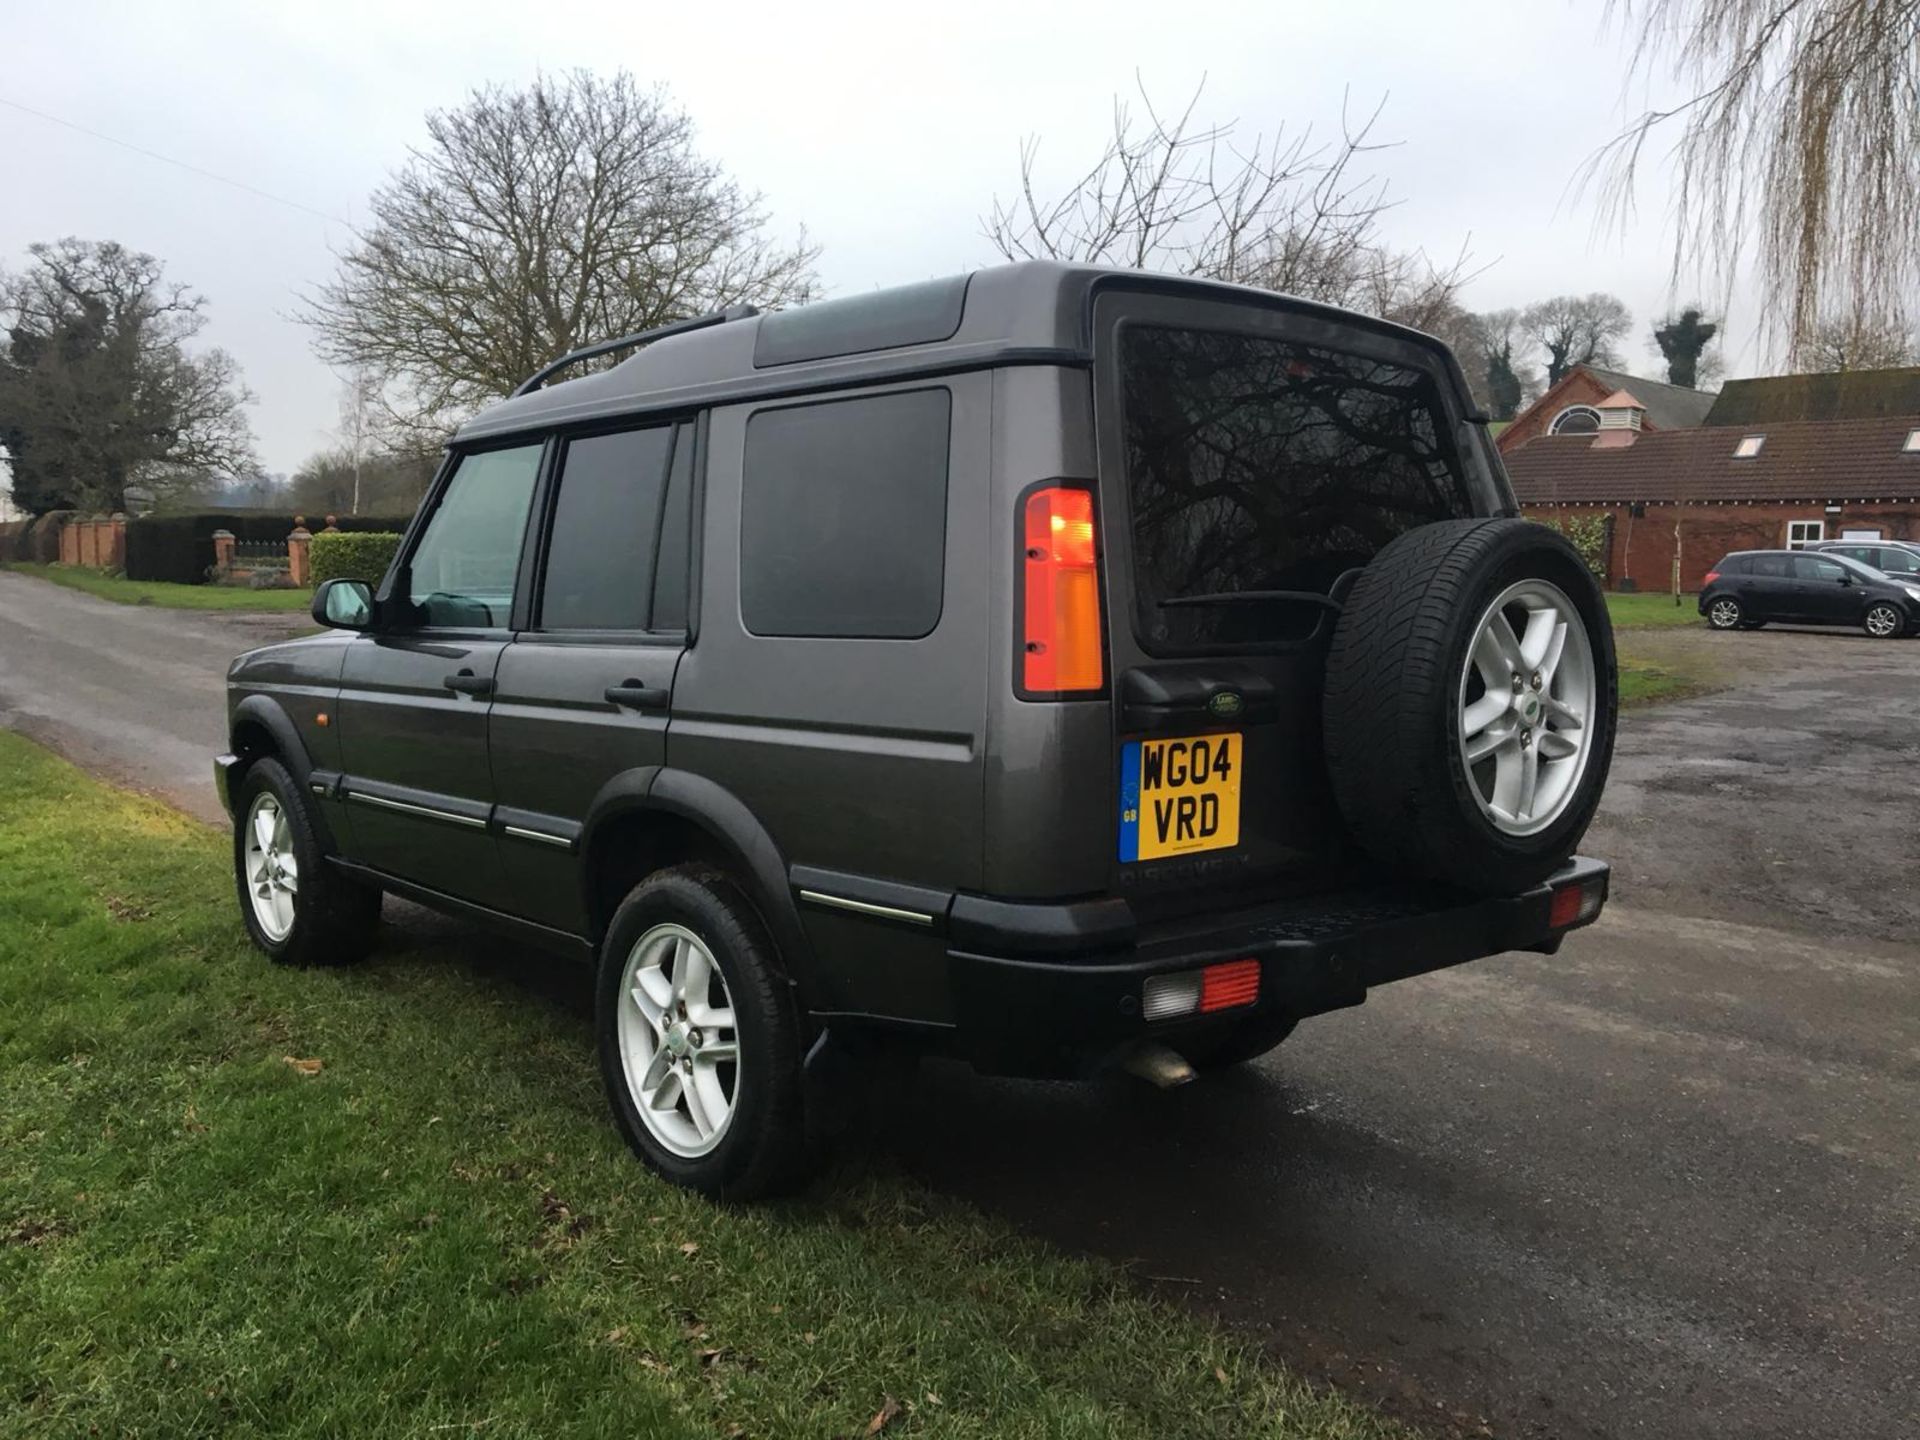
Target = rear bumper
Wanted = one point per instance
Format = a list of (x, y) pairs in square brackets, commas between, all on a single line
[(1061, 1010)]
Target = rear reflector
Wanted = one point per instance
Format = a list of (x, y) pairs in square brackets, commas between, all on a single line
[(1060, 593), (1186, 992), (1224, 986), (1575, 904)]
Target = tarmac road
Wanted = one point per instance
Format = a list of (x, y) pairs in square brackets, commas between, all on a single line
[(1666, 1183)]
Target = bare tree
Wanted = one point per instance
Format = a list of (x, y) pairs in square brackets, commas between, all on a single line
[(1501, 347), (536, 221), (1577, 330), (1800, 135), (1682, 339), (1855, 343), (359, 415), (1284, 213), (98, 392)]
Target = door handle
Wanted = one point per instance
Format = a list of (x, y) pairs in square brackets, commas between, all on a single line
[(468, 683), (632, 695)]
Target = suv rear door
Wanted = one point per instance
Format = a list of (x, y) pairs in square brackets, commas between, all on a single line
[(584, 690), (1252, 459)]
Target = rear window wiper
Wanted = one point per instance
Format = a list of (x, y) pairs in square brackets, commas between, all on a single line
[(1252, 597)]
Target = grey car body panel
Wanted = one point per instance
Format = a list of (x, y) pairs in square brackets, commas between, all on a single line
[(894, 807)]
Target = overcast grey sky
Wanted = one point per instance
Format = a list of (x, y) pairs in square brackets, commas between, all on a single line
[(884, 129)]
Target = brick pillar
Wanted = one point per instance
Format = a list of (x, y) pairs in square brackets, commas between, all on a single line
[(117, 541), (222, 551), (299, 569)]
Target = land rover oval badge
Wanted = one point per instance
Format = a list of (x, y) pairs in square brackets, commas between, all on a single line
[(1225, 704)]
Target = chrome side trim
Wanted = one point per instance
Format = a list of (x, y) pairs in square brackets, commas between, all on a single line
[(884, 912), (521, 834), (471, 821)]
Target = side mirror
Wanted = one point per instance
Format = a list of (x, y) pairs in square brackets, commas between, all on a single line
[(343, 604)]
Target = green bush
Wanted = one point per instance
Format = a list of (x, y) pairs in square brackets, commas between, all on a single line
[(341, 555), (1591, 536)]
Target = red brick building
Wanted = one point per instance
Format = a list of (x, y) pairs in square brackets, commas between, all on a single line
[(1779, 462), (1572, 407)]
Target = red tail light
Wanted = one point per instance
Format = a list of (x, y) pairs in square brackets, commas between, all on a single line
[(1060, 594), (1711, 576), (1222, 987)]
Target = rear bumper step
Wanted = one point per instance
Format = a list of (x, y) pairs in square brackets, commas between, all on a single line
[(1048, 1010)]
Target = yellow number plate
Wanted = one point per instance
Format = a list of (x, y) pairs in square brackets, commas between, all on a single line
[(1179, 796)]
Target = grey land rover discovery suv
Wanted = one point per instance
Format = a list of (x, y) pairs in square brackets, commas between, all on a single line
[(1052, 666)]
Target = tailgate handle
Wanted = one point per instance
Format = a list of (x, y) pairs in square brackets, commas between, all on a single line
[(632, 695)]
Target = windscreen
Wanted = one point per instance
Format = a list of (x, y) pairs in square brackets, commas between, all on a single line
[(1259, 464)]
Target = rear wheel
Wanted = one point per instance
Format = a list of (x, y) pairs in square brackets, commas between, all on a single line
[(1883, 620), (700, 1039), (1469, 707), (298, 909), (1725, 614)]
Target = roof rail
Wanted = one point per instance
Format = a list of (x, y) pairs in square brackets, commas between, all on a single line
[(625, 342)]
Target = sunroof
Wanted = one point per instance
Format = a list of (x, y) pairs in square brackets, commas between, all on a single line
[(884, 320)]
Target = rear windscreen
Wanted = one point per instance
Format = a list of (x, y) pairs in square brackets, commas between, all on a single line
[(1261, 464)]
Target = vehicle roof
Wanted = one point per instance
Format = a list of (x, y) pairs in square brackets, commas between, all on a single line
[(1032, 312), (1847, 560)]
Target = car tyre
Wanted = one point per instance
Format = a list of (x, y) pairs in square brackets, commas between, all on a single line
[(1470, 704), (1725, 614), (704, 1078), (298, 909), (1883, 621)]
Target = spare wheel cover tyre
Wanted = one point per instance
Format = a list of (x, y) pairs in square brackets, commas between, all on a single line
[(1470, 704)]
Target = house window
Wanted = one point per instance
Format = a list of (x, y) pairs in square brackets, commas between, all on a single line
[(1748, 447), (1575, 420), (1912, 447), (1802, 533)]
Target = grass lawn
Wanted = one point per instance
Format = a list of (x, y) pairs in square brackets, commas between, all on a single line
[(1644, 611), (164, 593), (437, 1230)]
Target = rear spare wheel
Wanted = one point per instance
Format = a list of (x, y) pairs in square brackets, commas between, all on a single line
[(1469, 704)]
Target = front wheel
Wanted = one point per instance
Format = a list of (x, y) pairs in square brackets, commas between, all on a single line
[(699, 1038), (1883, 621), (298, 909), (1724, 614)]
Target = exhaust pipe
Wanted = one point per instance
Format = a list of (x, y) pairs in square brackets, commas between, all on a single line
[(1156, 1064)]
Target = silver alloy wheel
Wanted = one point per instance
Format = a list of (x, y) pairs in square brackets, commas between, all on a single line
[(273, 875), (1725, 614), (1882, 621), (1527, 696), (679, 1046)]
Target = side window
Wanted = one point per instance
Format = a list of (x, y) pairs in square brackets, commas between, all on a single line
[(1774, 567), (606, 528), (462, 571), (1735, 565), (843, 517), (1896, 562), (1805, 567)]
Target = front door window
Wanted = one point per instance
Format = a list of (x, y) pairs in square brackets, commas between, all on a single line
[(461, 574)]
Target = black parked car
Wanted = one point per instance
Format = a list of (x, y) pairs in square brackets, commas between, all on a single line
[(1057, 667), (1751, 587), (1897, 558)]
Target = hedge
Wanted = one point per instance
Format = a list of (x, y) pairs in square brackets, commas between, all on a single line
[(180, 547), (338, 555)]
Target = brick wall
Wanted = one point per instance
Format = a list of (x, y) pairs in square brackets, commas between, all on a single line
[(1643, 544)]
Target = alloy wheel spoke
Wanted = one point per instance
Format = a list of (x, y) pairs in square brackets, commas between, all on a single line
[(1529, 782), (645, 1003), (1556, 647), (1537, 639), (714, 1051), (1483, 712), (692, 976), (1555, 746), (1497, 653), (666, 1095), (263, 829), (658, 1069), (698, 1110), (1489, 742)]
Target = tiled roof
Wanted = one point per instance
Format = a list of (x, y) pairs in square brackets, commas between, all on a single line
[(1668, 407), (1826, 461), (1842, 395)]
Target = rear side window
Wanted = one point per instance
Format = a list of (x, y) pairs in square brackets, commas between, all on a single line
[(1735, 565), (1777, 567), (843, 515), (1894, 562), (1261, 464), (606, 527)]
